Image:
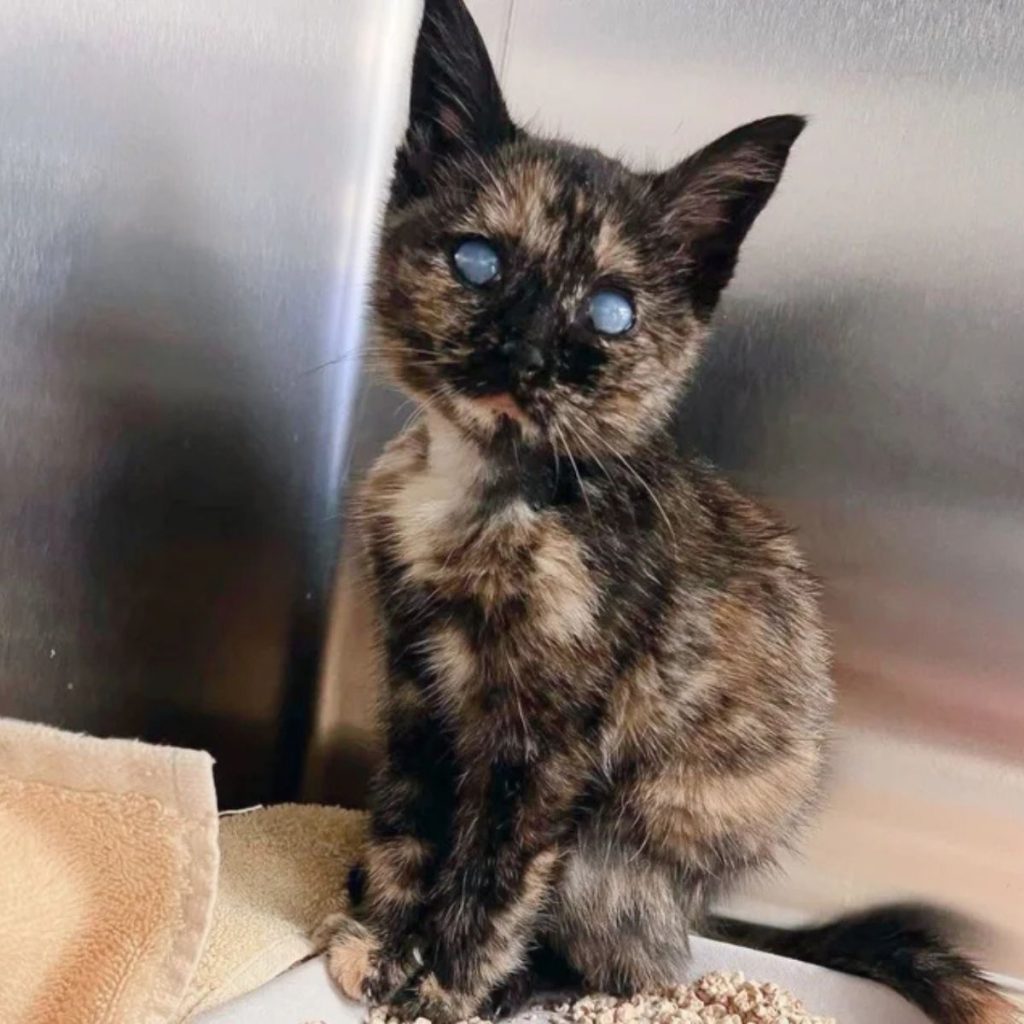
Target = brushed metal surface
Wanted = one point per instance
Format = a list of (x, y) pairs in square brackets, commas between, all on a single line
[(188, 193), (866, 378)]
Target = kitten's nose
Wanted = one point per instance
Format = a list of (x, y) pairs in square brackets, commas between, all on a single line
[(527, 359), (531, 359)]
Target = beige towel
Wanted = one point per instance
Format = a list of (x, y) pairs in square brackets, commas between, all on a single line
[(115, 906), (283, 870), (108, 867)]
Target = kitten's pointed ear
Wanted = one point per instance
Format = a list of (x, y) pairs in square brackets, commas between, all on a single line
[(712, 198), (456, 104)]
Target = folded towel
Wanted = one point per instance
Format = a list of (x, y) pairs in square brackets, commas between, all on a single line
[(123, 898), (283, 870), (108, 870)]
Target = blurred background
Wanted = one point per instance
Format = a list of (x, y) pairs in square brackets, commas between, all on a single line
[(189, 196)]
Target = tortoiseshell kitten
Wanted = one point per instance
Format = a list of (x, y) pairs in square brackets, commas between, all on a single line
[(608, 690)]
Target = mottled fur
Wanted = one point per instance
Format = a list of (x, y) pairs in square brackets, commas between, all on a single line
[(608, 690)]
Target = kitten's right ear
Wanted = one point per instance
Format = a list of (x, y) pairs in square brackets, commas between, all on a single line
[(456, 105)]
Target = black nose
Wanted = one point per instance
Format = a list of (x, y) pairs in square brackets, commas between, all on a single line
[(525, 359), (531, 359)]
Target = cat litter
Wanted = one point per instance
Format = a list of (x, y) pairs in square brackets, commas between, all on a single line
[(716, 998)]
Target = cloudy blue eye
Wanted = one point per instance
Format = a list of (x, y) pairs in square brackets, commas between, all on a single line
[(611, 312), (477, 261)]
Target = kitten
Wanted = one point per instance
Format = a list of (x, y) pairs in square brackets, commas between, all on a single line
[(608, 693)]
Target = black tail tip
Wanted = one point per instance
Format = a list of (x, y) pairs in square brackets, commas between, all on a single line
[(916, 950), (919, 951)]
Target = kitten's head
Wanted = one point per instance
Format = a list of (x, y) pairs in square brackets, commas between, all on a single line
[(537, 282)]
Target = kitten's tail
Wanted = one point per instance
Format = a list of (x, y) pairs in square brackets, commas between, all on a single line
[(912, 949)]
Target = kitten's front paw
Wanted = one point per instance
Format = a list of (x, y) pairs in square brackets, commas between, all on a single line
[(360, 967), (511, 997), (439, 1005)]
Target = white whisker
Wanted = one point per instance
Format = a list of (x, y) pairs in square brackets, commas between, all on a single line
[(575, 469)]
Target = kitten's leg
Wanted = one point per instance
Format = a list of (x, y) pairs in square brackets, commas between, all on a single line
[(545, 971), (479, 940), (646, 866), (619, 917), (491, 889), (371, 952), (511, 996), (373, 956), (639, 874)]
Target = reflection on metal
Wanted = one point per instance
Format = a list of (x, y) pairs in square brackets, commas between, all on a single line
[(867, 378), (187, 197)]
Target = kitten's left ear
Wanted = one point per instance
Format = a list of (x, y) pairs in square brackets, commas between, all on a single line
[(456, 104), (712, 198)]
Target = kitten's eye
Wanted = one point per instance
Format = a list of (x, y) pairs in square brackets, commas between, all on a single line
[(611, 312), (477, 261)]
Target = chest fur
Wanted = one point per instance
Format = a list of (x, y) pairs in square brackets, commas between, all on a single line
[(495, 596), (452, 537)]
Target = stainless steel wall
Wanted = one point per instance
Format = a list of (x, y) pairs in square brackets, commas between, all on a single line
[(867, 378), (188, 193)]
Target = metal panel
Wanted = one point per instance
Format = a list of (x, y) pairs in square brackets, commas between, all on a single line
[(867, 377), (188, 193)]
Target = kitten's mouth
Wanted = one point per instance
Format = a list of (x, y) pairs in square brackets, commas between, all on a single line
[(489, 412), (501, 405)]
